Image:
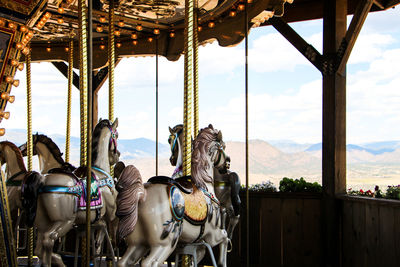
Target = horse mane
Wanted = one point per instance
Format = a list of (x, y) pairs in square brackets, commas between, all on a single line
[(51, 146), (177, 128), (201, 146), (130, 191), (18, 153), (96, 136)]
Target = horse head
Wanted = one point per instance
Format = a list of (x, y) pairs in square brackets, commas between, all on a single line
[(104, 145), (208, 153), (173, 139)]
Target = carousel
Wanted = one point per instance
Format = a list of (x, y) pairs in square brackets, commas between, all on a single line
[(102, 212)]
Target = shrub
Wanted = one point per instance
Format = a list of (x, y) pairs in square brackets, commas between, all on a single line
[(393, 192), (298, 185)]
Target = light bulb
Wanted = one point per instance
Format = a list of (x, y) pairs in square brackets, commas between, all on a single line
[(232, 13), (9, 79), (2, 131), (135, 42), (117, 33), (121, 23), (60, 10), (16, 83), (5, 114), (14, 62), (48, 49), (150, 39), (134, 36), (102, 19), (12, 26), (20, 66), (99, 29), (172, 34), (23, 29), (118, 45), (60, 20), (211, 24), (139, 27), (102, 47), (156, 31)]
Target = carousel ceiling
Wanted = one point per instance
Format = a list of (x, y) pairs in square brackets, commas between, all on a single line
[(138, 23)]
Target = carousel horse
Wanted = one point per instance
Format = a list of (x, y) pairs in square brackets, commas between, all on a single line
[(15, 172), (226, 183), (49, 154), (156, 215), (61, 196)]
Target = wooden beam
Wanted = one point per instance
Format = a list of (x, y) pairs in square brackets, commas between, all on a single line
[(63, 68), (333, 129), (352, 33), (297, 41), (99, 78)]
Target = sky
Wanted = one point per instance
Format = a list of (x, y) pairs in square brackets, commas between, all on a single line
[(285, 90)]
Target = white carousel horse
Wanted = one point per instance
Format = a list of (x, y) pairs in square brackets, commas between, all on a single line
[(56, 194), (15, 172), (49, 154), (151, 215), (226, 183)]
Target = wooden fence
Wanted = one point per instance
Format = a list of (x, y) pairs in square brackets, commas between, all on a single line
[(371, 232), (284, 230)]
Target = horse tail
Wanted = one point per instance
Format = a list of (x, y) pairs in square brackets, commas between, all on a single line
[(29, 194), (130, 192), (235, 188)]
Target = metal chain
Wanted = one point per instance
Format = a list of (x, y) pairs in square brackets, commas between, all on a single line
[(70, 81), (29, 143)]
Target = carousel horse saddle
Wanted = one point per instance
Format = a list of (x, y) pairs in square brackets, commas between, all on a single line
[(95, 194), (196, 203), (182, 183), (196, 206)]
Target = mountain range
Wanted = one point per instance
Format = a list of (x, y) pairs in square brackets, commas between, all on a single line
[(267, 160)]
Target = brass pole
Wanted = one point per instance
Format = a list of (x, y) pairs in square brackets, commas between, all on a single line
[(156, 105), (89, 127), (188, 88), (69, 101), (83, 86), (246, 29), (196, 71), (29, 143), (111, 67)]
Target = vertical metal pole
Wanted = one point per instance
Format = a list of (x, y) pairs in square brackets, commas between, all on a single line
[(188, 97), (69, 101), (246, 28), (29, 144), (188, 88), (156, 105), (111, 66), (83, 86), (195, 71), (89, 128)]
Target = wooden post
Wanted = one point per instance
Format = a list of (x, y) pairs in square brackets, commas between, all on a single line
[(333, 128)]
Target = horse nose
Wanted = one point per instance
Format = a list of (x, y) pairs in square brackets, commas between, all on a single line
[(228, 163)]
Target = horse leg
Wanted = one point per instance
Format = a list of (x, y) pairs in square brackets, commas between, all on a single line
[(223, 248), (151, 259), (233, 221), (58, 229)]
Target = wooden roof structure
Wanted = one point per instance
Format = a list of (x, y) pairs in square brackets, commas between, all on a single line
[(137, 22)]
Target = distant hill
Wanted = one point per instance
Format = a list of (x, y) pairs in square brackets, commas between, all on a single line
[(267, 160)]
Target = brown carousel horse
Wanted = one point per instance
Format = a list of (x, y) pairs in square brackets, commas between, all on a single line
[(60, 196), (226, 183), (151, 215)]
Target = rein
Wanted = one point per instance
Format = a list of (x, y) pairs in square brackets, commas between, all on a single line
[(11, 182)]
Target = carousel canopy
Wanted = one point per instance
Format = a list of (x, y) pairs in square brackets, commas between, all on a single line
[(139, 22)]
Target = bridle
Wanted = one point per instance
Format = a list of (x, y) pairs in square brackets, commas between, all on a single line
[(113, 138)]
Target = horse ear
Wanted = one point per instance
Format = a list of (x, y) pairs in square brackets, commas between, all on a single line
[(219, 137), (100, 119), (170, 130), (210, 126), (115, 124)]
